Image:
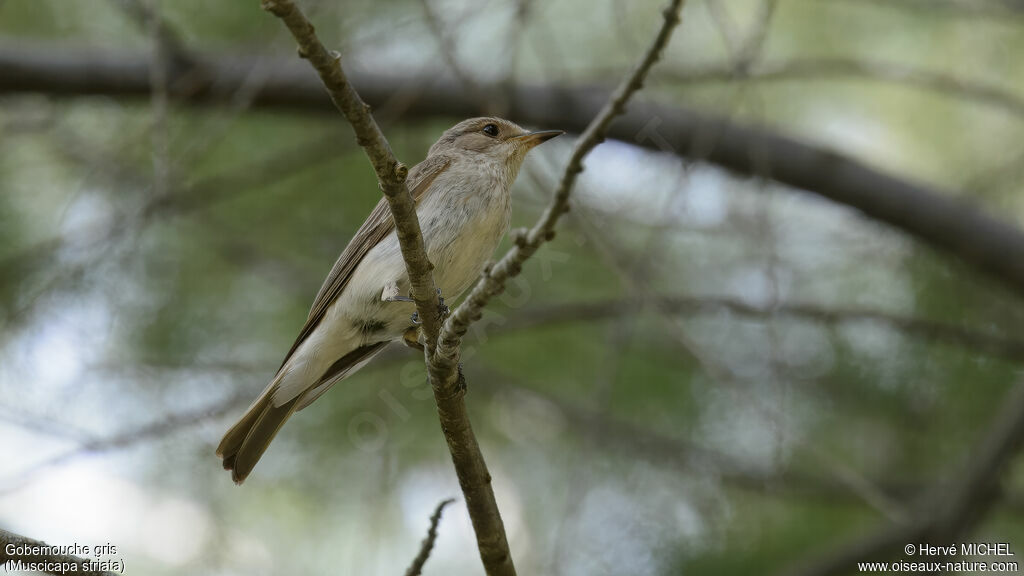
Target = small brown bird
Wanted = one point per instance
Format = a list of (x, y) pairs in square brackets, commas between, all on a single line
[(461, 192)]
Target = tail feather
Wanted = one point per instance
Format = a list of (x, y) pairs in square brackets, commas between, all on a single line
[(248, 439)]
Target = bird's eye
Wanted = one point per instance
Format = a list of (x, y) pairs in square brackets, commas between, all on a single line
[(491, 130)]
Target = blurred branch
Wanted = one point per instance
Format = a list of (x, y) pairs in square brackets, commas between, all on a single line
[(474, 478), (931, 214), (964, 337), (181, 199), (158, 429), (513, 46), (527, 242), (42, 557), (448, 52), (146, 16), (995, 10), (854, 68), (753, 46), (660, 449), (416, 568), (159, 102), (949, 509), (639, 282)]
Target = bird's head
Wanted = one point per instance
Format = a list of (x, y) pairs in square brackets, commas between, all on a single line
[(491, 139)]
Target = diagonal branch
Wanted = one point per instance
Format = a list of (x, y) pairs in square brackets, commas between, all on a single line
[(528, 242), (391, 173), (474, 478)]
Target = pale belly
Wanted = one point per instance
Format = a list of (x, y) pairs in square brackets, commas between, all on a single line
[(459, 240)]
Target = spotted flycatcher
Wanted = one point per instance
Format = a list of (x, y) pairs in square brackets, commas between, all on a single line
[(461, 192)]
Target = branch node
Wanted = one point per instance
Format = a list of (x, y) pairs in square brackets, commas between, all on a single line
[(520, 236)]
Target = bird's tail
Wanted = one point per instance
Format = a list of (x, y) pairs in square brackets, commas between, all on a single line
[(246, 441)]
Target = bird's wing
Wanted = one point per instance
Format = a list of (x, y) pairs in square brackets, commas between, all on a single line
[(376, 227)]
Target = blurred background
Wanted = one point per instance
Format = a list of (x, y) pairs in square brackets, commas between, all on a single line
[(704, 373)]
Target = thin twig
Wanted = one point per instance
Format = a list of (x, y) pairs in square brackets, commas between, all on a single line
[(448, 383), (527, 242), (416, 568)]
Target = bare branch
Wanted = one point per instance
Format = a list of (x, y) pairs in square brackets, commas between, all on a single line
[(474, 478), (416, 568), (493, 280), (390, 172), (41, 557), (930, 213)]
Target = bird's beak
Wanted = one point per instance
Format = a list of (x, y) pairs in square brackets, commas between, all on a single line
[(532, 139)]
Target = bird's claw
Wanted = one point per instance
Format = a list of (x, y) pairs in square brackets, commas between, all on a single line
[(460, 381), (443, 311)]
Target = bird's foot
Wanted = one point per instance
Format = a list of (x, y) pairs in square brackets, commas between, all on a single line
[(443, 311), (460, 382)]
